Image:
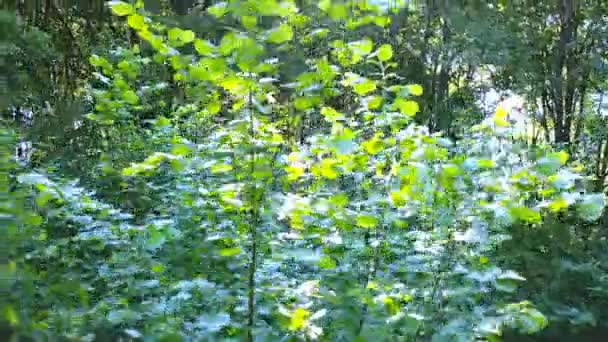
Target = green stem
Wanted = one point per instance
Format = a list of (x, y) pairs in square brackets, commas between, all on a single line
[(252, 234)]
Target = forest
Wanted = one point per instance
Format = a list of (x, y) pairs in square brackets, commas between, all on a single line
[(301, 170)]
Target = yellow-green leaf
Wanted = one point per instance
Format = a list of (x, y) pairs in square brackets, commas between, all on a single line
[(500, 113), (136, 21), (364, 87), (374, 102), (158, 268), (558, 205), (130, 97), (220, 168), (331, 114), (338, 11), (327, 169), (362, 47), (385, 52), (500, 117), (298, 319), (218, 10), (406, 107), (526, 214), (187, 36), (228, 252), (327, 263), (373, 146), (367, 221), (280, 34), (416, 89), (249, 22), (486, 163), (122, 9), (180, 150), (294, 172)]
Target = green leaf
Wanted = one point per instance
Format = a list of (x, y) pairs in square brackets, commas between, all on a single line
[(218, 10), (338, 11), (303, 103), (339, 200), (551, 163), (203, 47), (181, 150), (178, 35), (281, 34), (34, 220), (324, 5), (374, 102), (415, 89), (327, 169), (362, 47), (366, 221), (486, 163), (249, 22), (364, 87), (130, 97), (385, 52), (229, 252), (155, 239), (298, 319), (121, 9), (331, 114), (407, 107), (187, 36), (558, 204), (532, 321), (526, 214), (136, 22), (221, 168), (590, 208), (373, 146), (44, 198), (327, 263)]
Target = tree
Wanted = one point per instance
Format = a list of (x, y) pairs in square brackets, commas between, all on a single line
[(559, 59)]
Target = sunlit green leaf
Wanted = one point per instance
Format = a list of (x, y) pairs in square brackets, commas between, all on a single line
[(281, 34), (120, 8), (136, 21), (526, 214), (364, 87), (385, 52), (367, 221)]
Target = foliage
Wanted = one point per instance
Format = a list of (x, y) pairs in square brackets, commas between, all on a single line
[(271, 180)]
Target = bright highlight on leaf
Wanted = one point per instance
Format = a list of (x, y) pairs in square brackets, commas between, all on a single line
[(364, 87), (526, 214), (366, 221), (416, 89), (298, 319), (385, 52), (558, 205), (281, 34), (500, 117), (121, 9), (218, 10), (407, 107), (136, 21)]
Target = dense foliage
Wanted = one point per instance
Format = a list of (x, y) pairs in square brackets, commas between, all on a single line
[(293, 170)]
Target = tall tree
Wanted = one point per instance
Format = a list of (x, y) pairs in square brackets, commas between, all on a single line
[(561, 44)]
